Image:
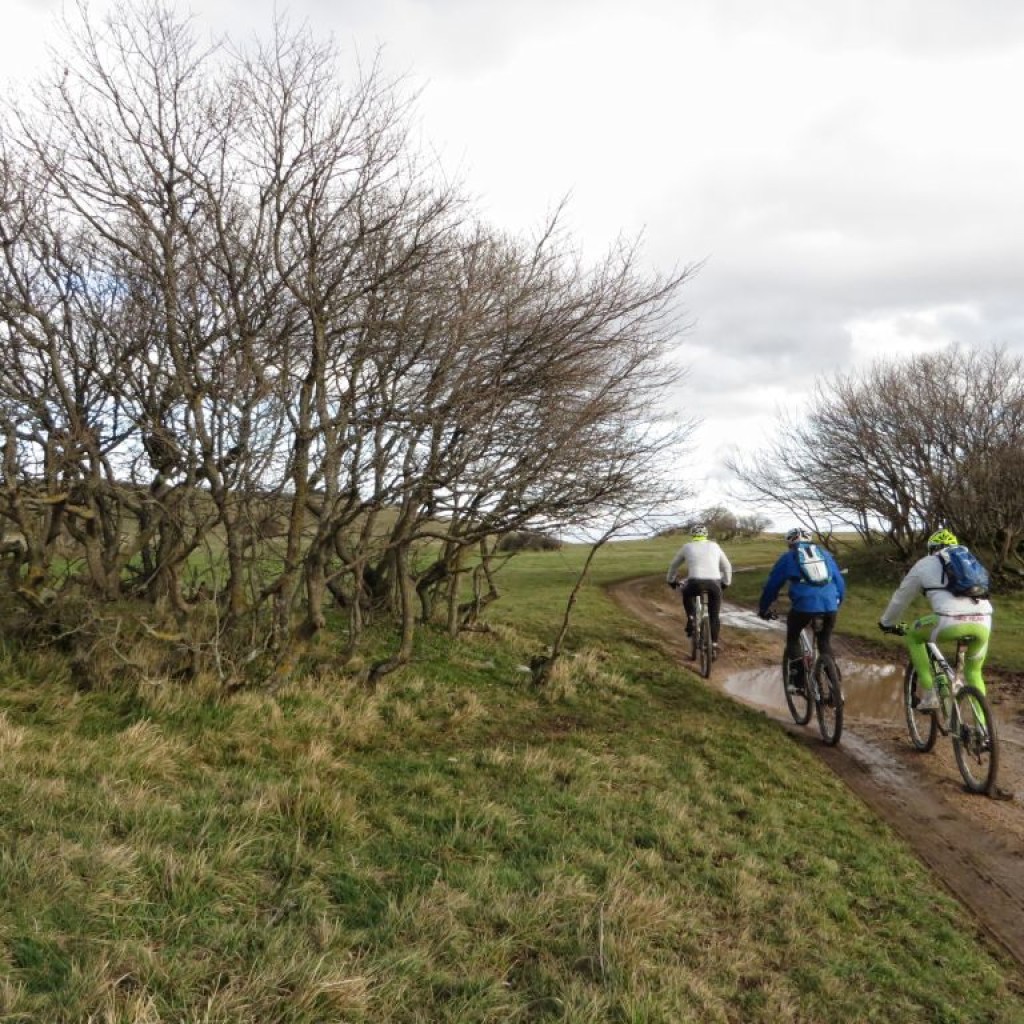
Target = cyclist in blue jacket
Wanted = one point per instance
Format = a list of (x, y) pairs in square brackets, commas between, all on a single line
[(808, 596)]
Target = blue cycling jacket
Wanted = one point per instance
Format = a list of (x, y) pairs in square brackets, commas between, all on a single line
[(804, 597)]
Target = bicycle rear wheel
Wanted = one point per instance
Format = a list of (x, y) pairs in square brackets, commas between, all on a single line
[(704, 647), (829, 705), (975, 743), (922, 725), (797, 700), (695, 630)]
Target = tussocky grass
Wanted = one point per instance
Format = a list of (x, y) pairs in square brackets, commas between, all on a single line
[(457, 846)]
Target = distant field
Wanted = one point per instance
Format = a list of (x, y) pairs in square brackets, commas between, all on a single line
[(869, 587)]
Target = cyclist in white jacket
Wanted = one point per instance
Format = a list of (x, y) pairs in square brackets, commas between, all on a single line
[(707, 569), (952, 616)]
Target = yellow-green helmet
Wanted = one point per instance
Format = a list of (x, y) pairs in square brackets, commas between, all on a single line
[(941, 539), (699, 532)]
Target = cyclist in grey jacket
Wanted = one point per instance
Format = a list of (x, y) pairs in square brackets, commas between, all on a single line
[(951, 616), (707, 569)]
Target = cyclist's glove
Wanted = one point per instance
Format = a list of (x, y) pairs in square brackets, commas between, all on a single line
[(765, 613), (674, 584)]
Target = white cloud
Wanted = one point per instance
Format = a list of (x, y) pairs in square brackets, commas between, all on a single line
[(909, 333)]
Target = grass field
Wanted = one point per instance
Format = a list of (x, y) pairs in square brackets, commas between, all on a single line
[(456, 846)]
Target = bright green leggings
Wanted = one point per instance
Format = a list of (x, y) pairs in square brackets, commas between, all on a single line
[(945, 634)]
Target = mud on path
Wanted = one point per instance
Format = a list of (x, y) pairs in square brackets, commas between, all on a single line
[(974, 844)]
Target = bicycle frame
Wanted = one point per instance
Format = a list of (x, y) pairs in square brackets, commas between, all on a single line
[(809, 649), (948, 680), (963, 714), (700, 643), (823, 682)]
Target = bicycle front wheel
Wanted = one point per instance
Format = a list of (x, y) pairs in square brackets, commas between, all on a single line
[(975, 743), (921, 725), (829, 702), (797, 700)]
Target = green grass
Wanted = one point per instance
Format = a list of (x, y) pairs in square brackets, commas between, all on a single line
[(456, 846)]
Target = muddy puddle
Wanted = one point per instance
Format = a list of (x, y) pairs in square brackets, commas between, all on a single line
[(873, 692), (872, 689)]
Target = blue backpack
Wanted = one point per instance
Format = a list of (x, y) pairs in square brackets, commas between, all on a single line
[(962, 574)]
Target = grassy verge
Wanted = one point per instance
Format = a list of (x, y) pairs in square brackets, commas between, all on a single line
[(455, 846)]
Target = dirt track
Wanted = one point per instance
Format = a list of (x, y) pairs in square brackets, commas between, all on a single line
[(974, 844)]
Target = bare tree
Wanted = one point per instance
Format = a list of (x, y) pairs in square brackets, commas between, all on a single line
[(259, 360), (905, 446)]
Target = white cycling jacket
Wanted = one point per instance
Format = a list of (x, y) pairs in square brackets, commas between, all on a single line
[(704, 559), (925, 577)]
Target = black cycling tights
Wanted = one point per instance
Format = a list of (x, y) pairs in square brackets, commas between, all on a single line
[(795, 622), (713, 589)]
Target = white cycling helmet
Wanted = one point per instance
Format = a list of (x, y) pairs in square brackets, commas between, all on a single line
[(797, 534)]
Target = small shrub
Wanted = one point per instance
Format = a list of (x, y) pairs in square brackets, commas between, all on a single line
[(528, 540)]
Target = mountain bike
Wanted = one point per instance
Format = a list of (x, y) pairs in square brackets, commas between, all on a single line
[(963, 714), (701, 648), (822, 688)]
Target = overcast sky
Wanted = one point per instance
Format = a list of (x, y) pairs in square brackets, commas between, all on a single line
[(850, 171)]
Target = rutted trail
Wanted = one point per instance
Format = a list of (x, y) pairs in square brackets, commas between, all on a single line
[(974, 844)]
